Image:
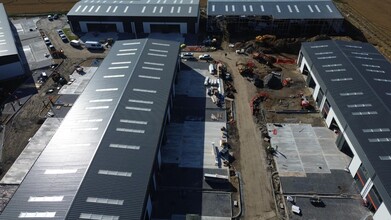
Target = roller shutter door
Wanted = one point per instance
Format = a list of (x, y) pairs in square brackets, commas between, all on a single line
[(101, 27), (165, 28)]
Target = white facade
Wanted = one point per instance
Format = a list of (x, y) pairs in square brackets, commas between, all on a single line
[(354, 165), (317, 87), (368, 186), (382, 213), (356, 162)]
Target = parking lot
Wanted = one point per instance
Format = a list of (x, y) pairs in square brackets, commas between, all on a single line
[(303, 149)]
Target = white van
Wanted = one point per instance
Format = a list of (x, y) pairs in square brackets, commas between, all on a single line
[(187, 55), (93, 45)]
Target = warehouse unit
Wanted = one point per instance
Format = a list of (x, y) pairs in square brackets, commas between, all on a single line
[(10, 62), (144, 16), (295, 17), (102, 161), (351, 84)]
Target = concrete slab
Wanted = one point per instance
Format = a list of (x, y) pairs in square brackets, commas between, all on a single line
[(214, 205), (28, 53), (35, 51), (185, 217), (291, 166), (63, 105), (191, 83), (314, 163), (188, 153), (30, 154), (40, 51), (336, 162), (171, 150), (302, 149), (190, 144), (321, 133), (19, 28), (80, 81)]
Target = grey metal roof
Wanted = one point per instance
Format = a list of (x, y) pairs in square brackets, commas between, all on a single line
[(358, 83), (7, 43), (100, 160), (141, 8), (293, 9)]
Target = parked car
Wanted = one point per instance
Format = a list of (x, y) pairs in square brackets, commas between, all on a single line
[(55, 16), (187, 55), (47, 41), (51, 47), (205, 57), (60, 32), (64, 38), (50, 17)]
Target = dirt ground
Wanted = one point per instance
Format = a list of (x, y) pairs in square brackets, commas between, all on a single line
[(373, 18), (251, 161), (28, 7)]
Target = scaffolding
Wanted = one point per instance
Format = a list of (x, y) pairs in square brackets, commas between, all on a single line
[(269, 25)]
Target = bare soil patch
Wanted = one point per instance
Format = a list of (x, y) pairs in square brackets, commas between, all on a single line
[(372, 18), (28, 7)]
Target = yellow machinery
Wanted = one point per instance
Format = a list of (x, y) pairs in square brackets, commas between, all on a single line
[(261, 38)]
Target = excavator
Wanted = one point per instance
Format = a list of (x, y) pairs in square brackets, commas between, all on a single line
[(262, 38), (56, 54), (264, 58)]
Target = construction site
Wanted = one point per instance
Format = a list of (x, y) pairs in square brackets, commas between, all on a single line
[(283, 164)]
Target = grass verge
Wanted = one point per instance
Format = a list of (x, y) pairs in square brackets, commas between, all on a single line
[(68, 32)]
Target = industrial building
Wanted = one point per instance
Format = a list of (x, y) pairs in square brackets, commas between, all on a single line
[(351, 84), (145, 16), (10, 61), (102, 162), (294, 18)]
